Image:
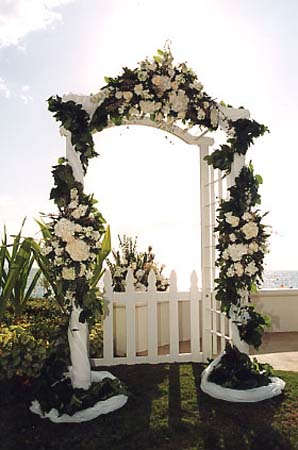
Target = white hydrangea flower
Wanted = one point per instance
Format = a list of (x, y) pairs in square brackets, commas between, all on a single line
[(214, 117), (118, 95), (127, 95), (138, 89), (225, 254), (232, 237), (89, 274), (253, 247), (251, 269), (69, 295), (239, 270), (152, 66), (179, 78), (139, 274), (96, 235), (79, 212), (231, 219), (250, 229), (163, 83), (236, 251), (65, 229), (149, 107), (175, 85), (196, 85), (118, 272), (179, 101), (101, 95), (46, 250), (78, 250), (69, 273), (133, 111), (74, 194), (82, 270), (133, 266), (201, 114), (247, 216), (58, 261), (58, 251), (230, 272), (73, 204)]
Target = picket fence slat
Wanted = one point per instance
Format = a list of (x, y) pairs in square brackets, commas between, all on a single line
[(141, 316)]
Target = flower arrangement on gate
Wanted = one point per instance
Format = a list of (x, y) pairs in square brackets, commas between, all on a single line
[(141, 263), (242, 245)]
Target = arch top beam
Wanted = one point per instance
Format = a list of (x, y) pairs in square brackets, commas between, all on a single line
[(179, 132)]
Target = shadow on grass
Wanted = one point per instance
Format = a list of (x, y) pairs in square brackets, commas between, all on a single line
[(235, 426), (22, 430), (174, 403)]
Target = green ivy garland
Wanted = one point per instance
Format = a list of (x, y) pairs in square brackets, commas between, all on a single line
[(242, 245)]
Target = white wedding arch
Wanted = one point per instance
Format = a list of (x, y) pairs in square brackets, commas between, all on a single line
[(164, 96)]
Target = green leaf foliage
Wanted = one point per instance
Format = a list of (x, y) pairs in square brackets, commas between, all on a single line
[(235, 370)]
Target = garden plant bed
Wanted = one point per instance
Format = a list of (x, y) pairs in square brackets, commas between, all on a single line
[(166, 410)]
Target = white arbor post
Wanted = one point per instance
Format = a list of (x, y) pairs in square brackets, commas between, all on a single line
[(206, 247), (78, 333)]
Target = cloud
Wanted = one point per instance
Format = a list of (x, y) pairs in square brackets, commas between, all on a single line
[(4, 90), (20, 17), (25, 96)]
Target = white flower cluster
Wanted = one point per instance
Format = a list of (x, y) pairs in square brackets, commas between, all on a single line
[(235, 252), (161, 90), (73, 247)]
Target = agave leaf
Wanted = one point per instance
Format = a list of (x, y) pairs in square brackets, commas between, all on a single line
[(44, 229), (32, 285), (104, 251), (15, 269)]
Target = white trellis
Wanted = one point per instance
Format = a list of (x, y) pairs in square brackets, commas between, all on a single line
[(215, 329)]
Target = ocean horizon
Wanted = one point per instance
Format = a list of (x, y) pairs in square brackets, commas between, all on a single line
[(273, 279)]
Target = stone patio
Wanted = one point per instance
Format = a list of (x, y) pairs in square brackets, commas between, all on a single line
[(280, 350)]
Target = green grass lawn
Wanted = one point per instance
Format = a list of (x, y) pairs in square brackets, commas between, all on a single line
[(166, 410)]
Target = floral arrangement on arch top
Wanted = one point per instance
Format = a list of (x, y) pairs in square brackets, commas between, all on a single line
[(141, 264), (162, 92)]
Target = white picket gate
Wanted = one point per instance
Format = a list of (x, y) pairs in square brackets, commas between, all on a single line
[(183, 320)]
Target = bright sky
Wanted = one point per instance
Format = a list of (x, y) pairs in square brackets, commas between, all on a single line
[(244, 53)]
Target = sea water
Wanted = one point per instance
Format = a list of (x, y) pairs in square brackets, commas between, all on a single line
[(273, 279), (280, 279)]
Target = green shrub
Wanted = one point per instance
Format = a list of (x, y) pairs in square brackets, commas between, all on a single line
[(21, 353), (28, 342)]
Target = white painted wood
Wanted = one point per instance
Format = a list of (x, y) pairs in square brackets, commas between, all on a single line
[(206, 259), (74, 161), (152, 319), (195, 318), (130, 318), (108, 338), (174, 329)]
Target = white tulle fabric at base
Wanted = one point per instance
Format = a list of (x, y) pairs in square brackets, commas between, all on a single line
[(239, 396), (101, 407)]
